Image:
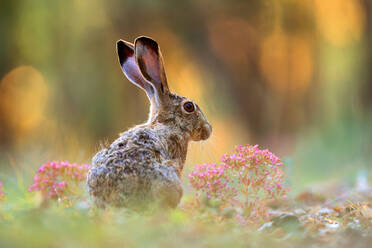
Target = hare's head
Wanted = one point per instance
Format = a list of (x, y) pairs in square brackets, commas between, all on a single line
[(142, 64)]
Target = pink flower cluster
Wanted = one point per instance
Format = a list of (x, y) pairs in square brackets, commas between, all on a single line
[(2, 195), (57, 180), (245, 179), (212, 179)]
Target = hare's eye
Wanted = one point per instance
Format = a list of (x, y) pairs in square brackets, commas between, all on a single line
[(189, 107)]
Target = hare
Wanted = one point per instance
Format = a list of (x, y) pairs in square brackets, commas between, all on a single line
[(144, 165)]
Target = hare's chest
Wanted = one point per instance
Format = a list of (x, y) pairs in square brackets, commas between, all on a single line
[(176, 148)]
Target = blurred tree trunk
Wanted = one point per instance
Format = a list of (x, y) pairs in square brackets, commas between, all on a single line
[(367, 89), (7, 54)]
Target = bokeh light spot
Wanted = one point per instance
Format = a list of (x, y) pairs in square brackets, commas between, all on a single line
[(286, 62), (340, 21), (23, 97)]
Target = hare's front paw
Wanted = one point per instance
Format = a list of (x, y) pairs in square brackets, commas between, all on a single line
[(168, 192), (174, 196)]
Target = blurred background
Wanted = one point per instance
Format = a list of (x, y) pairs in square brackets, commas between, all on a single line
[(292, 76)]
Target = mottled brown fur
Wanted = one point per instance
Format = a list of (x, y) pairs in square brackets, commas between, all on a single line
[(144, 165)]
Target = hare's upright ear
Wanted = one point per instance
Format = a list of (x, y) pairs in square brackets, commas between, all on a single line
[(130, 68), (150, 62)]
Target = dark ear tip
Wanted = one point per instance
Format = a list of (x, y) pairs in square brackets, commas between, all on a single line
[(146, 41), (120, 45), (124, 49), (124, 43)]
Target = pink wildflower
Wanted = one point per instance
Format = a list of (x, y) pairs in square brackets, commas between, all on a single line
[(58, 180), (2, 195), (246, 179)]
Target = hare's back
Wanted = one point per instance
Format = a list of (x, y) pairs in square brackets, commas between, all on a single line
[(133, 146)]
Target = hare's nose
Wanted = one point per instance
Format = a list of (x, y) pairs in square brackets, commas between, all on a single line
[(206, 132)]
